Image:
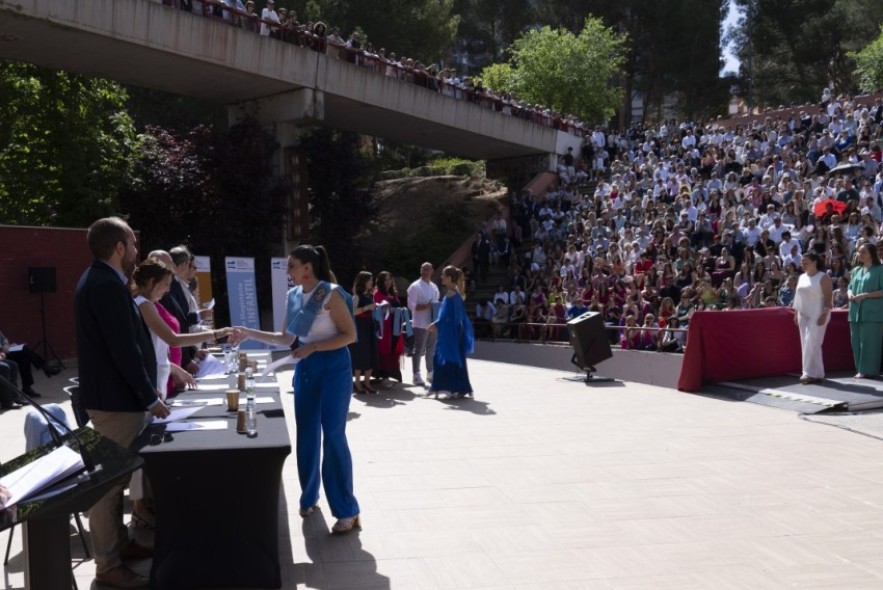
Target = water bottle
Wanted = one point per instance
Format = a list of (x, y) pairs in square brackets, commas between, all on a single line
[(233, 363), (249, 381), (251, 417)]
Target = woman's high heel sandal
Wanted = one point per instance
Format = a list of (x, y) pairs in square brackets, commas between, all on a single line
[(346, 525)]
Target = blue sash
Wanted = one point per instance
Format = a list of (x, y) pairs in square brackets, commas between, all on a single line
[(378, 314), (300, 316), (401, 320)]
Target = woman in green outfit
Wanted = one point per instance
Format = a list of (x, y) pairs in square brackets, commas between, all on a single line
[(866, 312)]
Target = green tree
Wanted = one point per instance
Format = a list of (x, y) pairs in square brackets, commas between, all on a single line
[(869, 65), (340, 175), (215, 192), (791, 49), (673, 50), (419, 29), (500, 77), (572, 74), (489, 27), (67, 146)]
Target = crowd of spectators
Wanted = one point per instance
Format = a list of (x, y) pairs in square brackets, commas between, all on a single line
[(283, 24), (651, 225)]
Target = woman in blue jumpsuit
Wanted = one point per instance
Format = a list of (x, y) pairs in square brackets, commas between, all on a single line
[(319, 322)]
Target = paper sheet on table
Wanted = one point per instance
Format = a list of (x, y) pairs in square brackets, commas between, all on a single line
[(197, 425), (285, 360), (210, 365), (16, 347), (40, 473), (224, 386), (215, 377), (201, 402), (176, 414)]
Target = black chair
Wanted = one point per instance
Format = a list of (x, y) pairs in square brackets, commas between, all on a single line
[(77, 410)]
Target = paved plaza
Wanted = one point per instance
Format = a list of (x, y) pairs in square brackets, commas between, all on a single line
[(541, 483)]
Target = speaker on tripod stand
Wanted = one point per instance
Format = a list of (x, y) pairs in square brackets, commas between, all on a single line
[(41, 279)]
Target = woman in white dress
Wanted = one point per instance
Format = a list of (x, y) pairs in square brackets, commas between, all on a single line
[(813, 301), (152, 280)]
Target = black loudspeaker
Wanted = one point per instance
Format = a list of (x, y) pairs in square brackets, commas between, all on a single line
[(41, 279), (589, 340)]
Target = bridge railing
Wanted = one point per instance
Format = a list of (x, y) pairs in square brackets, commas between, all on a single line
[(426, 78)]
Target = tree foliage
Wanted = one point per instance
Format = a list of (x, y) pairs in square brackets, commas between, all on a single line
[(419, 29), (869, 65), (215, 192), (339, 174), (489, 27), (673, 54), (791, 50), (572, 74), (67, 146)]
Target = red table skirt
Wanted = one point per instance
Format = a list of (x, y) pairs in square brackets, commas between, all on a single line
[(729, 345)]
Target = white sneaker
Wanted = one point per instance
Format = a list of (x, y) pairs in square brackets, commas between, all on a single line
[(418, 380)]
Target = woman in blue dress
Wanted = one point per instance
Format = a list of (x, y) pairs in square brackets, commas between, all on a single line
[(455, 339)]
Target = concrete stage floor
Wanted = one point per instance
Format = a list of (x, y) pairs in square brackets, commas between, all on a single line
[(545, 484)]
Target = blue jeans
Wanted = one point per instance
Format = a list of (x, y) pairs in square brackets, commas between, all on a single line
[(322, 390)]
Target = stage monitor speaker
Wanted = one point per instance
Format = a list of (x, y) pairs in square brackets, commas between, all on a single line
[(41, 279), (589, 339)]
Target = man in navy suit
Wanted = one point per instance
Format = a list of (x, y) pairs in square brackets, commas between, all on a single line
[(117, 371)]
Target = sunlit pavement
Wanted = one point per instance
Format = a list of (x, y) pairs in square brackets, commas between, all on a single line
[(544, 483)]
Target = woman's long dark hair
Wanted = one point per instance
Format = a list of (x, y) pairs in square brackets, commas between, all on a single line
[(872, 250), (815, 257), (361, 282), (318, 258), (381, 284)]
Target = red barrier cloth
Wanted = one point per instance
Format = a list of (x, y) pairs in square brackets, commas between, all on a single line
[(729, 345)]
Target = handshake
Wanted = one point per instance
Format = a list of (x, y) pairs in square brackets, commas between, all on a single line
[(236, 335)]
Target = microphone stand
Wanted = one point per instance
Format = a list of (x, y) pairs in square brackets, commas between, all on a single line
[(52, 422)]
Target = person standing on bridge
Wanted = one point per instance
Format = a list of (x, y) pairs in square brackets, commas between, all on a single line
[(268, 14), (866, 312)]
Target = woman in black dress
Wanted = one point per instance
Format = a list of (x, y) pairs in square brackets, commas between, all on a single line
[(364, 350)]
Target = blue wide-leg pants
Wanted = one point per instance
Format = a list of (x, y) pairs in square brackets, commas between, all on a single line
[(322, 390)]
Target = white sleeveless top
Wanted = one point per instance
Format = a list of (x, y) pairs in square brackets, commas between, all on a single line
[(808, 296), (163, 366), (323, 326)]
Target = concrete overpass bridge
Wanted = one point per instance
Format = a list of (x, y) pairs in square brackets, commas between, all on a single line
[(147, 44)]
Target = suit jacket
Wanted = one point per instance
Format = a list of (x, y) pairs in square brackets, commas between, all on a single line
[(117, 362), (176, 291)]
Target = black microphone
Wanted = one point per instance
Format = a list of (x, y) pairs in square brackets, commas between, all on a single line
[(51, 422)]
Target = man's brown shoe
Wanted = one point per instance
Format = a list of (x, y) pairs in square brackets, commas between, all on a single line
[(121, 577), (135, 551)]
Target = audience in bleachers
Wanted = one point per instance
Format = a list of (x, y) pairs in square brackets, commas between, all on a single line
[(711, 216)]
